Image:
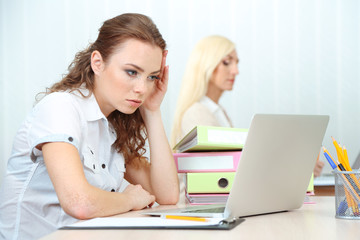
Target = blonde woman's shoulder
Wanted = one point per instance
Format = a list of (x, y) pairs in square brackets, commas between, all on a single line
[(197, 114)]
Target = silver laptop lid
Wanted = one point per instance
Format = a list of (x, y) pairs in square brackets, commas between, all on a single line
[(276, 164)]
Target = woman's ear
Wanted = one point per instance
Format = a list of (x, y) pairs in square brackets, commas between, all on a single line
[(97, 62)]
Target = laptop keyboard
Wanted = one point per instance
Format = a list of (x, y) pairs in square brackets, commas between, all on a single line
[(206, 210)]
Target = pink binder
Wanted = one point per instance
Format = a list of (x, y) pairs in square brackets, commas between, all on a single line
[(226, 161)]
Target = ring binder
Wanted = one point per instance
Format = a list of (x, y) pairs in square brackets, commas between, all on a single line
[(223, 182)]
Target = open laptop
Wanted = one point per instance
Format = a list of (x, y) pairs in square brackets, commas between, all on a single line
[(274, 170)]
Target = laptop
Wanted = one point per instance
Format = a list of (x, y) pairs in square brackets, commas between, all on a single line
[(274, 170)]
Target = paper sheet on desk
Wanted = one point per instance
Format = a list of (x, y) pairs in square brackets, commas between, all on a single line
[(141, 222), (153, 223)]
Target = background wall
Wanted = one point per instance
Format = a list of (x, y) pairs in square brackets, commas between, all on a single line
[(298, 57)]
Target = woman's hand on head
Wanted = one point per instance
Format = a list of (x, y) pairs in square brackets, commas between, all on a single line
[(138, 197), (154, 100)]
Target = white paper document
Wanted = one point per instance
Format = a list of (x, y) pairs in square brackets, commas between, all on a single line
[(108, 222)]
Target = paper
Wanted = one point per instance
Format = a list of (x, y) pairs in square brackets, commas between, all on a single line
[(109, 222), (231, 137)]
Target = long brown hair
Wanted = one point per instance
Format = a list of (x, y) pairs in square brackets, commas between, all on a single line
[(130, 128)]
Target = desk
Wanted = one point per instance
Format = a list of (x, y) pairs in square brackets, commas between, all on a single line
[(324, 185), (311, 221), (324, 190)]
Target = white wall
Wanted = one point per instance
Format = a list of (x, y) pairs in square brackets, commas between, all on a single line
[(295, 56)]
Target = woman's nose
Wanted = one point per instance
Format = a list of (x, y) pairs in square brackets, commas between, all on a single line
[(140, 85), (235, 69)]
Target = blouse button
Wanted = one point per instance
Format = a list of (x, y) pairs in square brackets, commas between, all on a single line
[(113, 190), (103, 166), (70, 139)]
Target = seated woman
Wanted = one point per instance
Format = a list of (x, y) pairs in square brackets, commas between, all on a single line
[(86, 136), (210, 71)]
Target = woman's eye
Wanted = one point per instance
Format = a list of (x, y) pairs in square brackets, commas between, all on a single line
[(154, 78), (131, 73), (226, 62)]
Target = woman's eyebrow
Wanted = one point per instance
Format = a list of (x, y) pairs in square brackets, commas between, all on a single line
[(156, 72), (232, 58), (140, 69), (135, 66)]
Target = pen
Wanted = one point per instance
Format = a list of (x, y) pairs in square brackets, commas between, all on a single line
[(199, 219), (329, 159)]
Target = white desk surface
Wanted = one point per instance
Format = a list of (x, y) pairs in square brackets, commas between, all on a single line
[(311, 221)]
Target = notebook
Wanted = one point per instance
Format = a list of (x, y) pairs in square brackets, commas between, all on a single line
[(274, 170)]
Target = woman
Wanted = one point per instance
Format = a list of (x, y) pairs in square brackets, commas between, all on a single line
[(88, 133), (211, 70)]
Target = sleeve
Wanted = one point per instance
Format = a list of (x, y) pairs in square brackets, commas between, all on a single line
[(56, 118), (197, 114)]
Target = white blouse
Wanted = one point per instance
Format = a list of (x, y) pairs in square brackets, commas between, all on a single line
[(204, 112), (217, 110), (28, 203)]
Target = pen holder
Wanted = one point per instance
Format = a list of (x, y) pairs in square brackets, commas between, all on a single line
[(347, 194)]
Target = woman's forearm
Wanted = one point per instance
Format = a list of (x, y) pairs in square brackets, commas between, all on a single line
[(163, 173)]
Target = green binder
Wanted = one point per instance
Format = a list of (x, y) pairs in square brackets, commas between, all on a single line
[(209, 182), (210, 138)]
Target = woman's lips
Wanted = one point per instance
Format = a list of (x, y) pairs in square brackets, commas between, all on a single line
[(134, 103), (231, 80)]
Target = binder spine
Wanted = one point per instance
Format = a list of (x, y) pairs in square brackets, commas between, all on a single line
[(207, 161), (218, 182)]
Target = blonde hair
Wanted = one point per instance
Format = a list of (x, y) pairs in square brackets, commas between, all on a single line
[(203, 60)]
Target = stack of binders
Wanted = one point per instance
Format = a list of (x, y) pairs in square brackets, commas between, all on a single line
[(209, 157)]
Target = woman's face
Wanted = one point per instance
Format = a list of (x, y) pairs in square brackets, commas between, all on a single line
[(224, 74), (128, 77)]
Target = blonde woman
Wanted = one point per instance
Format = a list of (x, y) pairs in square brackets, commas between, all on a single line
[(211, 70)]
